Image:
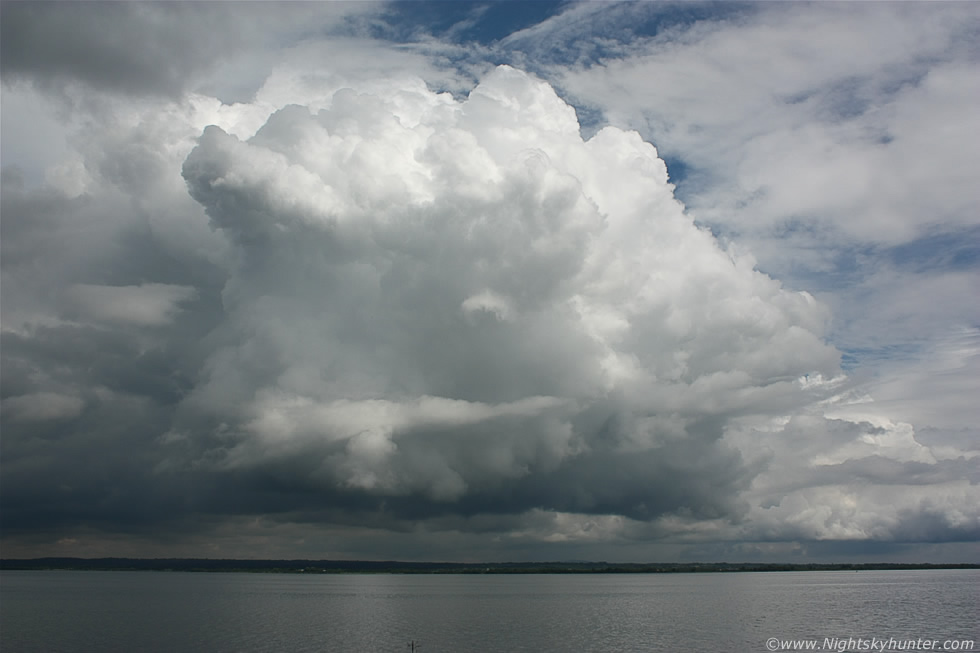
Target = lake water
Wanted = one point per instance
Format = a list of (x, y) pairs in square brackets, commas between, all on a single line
[(738, 612)]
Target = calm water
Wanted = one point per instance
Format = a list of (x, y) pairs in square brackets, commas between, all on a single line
[(170, 611)]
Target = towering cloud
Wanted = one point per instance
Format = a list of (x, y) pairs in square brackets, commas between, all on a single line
[(446, 306)]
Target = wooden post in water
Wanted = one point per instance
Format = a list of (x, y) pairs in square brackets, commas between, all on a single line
[(414, 646)]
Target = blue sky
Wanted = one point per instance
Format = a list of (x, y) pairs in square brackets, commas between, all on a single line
[(507, 280)]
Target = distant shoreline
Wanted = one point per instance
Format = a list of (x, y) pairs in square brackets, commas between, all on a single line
[(397, 567)]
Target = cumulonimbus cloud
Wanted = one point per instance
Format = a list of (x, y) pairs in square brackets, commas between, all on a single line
[(463, 305)]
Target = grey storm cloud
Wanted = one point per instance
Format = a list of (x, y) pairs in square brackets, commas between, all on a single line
[(432, 307), (157, 48), (122, 46), (362, 305)]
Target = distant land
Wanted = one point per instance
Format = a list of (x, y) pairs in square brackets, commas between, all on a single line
[(396, 567)]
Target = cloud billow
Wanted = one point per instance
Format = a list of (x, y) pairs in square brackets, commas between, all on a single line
[(455, 306)]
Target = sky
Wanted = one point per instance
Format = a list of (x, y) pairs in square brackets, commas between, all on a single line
[(490, 281)]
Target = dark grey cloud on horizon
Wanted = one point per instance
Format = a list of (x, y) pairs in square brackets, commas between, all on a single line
[(361, 318)]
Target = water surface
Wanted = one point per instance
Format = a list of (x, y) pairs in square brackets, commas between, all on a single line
[(180, 611)]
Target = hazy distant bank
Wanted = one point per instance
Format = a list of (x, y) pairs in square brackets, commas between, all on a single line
[(397, 567)]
